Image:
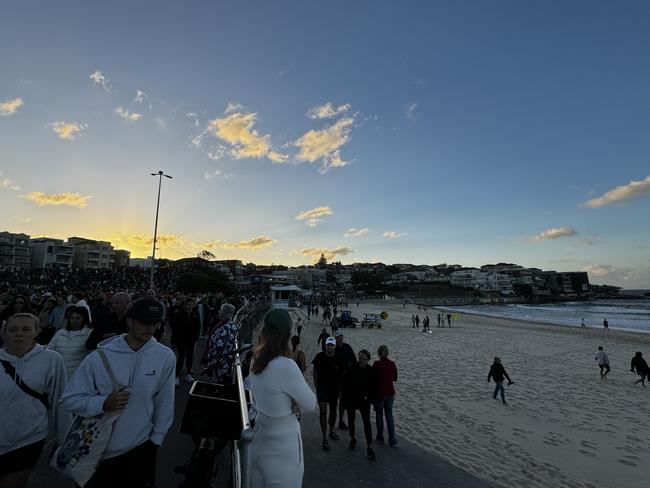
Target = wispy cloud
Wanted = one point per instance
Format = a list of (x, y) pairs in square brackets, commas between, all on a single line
[(67, 130), (10, 107), (330, 253), (325, 144), (233, 107), (143, 240), (354, 232), (7, 183), (215, 174), (620, 194), (100, 80), (327, 111), (409, 111), (313, 216), (127, 114), (26, 220), (254, 244), (140, 96), (66, 198), (590, 241), (392, 234), (554, 233)]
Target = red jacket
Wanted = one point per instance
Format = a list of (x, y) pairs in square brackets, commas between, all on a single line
[(387, 372)]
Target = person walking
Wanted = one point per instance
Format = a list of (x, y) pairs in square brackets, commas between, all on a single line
[(605, 324), (297, 354), (417, 321), (603, 362), (70, 341), (299, 326), (582, 323), (498, 373), (345, 352), (186, 328), (359, 391), (328, 371), (146, 401), (276, 382), (449, 319), (439, 319), (322, 338), (32, 379), (221, 345), (116, 323), (639, 364), (386, 377)]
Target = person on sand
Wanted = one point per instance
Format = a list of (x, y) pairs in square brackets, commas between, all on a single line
[(449, 319), (582, 324), (387, 376), (641, 367), (413, 321), (328, 371), (603, 362), (425, 323), (605, 324), (417, 321), (497, 373), (322, 338), (439, 319)]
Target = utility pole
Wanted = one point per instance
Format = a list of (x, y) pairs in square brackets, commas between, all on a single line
[(159, 174)]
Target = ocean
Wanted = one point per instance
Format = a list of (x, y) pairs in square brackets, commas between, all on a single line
[(633, 314)]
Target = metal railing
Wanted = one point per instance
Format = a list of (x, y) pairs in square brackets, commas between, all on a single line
[(246, 318)]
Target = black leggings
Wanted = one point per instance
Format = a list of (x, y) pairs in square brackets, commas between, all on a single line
[(185, 351), (364, 409), (134, 468)]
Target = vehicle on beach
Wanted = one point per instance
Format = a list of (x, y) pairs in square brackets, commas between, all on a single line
[(371, 320), (345, 320)]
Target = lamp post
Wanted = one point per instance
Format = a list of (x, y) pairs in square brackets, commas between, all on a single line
[(159, 174)]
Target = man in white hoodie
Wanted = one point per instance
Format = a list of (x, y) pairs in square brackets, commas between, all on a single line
[(144, 368)]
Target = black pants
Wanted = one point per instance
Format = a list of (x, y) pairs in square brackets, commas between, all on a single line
[(133, 469), (185, 351), (364, 410)]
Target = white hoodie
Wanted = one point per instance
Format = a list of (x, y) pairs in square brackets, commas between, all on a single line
[(24, 419), (71, 345), (149, 375)]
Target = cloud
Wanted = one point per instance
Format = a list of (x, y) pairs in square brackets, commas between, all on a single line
[(623, 193), (215, 174), (66, 198), (140, 96), (233, 107), (325, 144), (410, 111), (10, 107), (330, 254), (26, 220), (554, 233), (354, 232), (598, 270), (631, 278), (7, 183), (128, 115), (254, 244), (237, 130), (162, 240), (99, 79), (590, 241), (313, 216), (327, 111), (391, 234), (67, 130)]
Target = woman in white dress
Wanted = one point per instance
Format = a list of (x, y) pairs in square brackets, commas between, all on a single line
[(276, 381)]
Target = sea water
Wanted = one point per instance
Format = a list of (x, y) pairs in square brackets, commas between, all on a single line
[(633, 314)]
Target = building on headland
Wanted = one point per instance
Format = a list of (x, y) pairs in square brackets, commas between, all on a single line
[(14, 250), (121, 258), (89, 253), (50, 252)]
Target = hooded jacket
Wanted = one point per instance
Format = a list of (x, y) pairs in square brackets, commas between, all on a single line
[(71, 345), (148, 373), (23, 418)]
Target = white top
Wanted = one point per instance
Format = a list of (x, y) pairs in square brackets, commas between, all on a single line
[(601, 357), (71, 345), (279, 383)]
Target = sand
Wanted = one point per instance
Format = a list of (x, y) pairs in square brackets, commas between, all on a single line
[(563, 426)]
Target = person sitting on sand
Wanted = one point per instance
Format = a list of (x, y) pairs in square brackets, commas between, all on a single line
[(641, 367), (498, 372), (603, 362)]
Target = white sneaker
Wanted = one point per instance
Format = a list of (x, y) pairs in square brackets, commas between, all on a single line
[(177, 382), (189, 378)]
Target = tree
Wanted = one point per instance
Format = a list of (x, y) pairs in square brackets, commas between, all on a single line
[(322, 262), (206, 255)]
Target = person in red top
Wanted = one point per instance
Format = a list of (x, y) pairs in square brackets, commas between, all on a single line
[(387, 373)]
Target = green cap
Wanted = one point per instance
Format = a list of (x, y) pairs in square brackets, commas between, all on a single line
[(277, 319)]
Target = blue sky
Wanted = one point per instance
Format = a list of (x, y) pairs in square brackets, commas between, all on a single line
[(458, 132)]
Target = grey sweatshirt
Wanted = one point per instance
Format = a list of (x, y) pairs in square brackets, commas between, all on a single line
[(24, 419)]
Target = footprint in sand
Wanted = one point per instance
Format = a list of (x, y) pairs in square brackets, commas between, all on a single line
[(587, 453), (626, 462)]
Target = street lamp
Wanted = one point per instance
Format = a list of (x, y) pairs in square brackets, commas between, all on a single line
[(159, 174)]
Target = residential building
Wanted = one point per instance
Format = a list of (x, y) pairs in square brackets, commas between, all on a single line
[(15, 250), (89, 253), (121, 258), (48, 252)]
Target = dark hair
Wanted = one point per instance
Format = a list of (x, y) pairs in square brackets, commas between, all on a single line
[(80, 311), (365, 352), (275, 342), (295, 340)]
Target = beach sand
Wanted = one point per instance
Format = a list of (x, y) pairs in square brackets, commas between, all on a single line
[(563, 426)]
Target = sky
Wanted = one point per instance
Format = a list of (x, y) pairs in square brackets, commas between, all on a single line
[(465, 132)]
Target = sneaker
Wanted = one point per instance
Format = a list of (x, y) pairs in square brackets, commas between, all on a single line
[(189, 378), (177, 382), (334, 436), (325, 445), (353, 444), (379, 440), (342, 425), (370, 453)]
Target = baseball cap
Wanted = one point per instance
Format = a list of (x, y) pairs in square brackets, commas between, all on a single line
[(338, 333), (330, 340), (146, 311), (278, 320)]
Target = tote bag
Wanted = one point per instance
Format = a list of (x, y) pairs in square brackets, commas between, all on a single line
[(80, 452)]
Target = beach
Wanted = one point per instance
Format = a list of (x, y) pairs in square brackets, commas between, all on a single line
[(563, 426)]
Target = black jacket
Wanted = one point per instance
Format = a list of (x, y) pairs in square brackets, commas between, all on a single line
[(186, 327), (112, 325), (639, 364), (498, 372), (360, 386)]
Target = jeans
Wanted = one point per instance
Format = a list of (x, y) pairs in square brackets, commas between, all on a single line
[(384, 407), (499, 388)]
